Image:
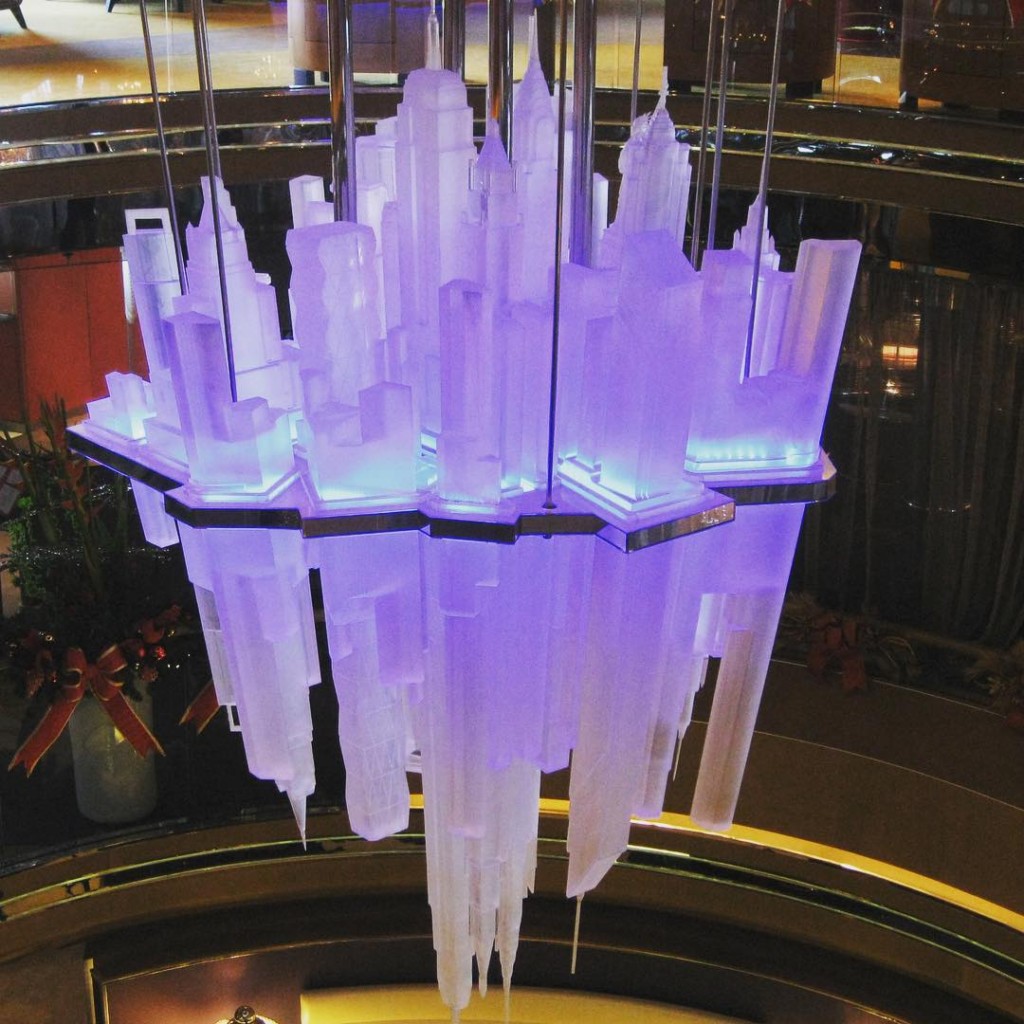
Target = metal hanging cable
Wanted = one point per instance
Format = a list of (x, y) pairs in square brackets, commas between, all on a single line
[(637, 33), (161, 136), (762, 188), (499, 67), (581, 234), (202, 41), (723, 81), (342, 95), (556, 307), (453, 34), (705, 125), (213, 167)]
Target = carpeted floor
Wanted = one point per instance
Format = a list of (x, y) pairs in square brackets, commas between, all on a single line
[(74, 49)]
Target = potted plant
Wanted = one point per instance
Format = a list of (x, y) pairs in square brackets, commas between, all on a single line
[(100, 622)]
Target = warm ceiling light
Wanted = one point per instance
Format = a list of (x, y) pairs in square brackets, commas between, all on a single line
[(246, 1015)]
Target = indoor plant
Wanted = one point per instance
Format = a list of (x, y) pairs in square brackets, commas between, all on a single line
[(100, 622)]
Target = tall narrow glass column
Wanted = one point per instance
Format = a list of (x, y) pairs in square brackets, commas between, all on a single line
[(584, 69), (343, 132)]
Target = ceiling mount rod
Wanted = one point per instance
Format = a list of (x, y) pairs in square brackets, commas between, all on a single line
[(723, 81), (202, 41), (342, 94), (453, 35), (499, 67), (705, 125), (581, 235), (762, 188), (213, 166), (165, 167), (556, 310), (637, 33)]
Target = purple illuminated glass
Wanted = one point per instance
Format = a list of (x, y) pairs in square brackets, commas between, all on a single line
[(419, 376)]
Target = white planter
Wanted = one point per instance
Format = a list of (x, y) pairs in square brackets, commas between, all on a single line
[(113, 785)]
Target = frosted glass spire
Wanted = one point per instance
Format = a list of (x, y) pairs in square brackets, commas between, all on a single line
[(536, 155), (433, 47), (263, 366), (535, 118), (744, 239), (655, 186)]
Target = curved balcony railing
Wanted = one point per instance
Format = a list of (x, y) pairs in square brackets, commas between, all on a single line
[(676, 896), (75, 118), (943, 162), (103, 148)]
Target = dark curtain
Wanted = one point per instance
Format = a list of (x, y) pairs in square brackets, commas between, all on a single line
[(925, 427)]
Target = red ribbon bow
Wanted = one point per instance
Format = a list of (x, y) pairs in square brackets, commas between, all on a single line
[(101, 679), (201, 711), (43, 669)]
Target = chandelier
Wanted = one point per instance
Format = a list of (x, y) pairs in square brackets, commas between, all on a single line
[(524, 560)]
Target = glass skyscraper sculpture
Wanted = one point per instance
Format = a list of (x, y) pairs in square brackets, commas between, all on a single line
[(398, 443)]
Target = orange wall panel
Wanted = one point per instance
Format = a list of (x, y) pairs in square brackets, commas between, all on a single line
[(10, 370), (72, 326)]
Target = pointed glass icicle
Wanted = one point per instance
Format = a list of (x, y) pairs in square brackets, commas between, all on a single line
[(371, 595), (754, 557), (254, 599), (679, 751), (297, 802), (576, 933)]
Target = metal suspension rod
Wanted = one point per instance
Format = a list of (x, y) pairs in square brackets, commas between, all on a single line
[(581, 235), (762, 188), (499, 67), (453, 35), (205, 85), (213, 166), (723, 81), (556, 307), (165, 166), (343, 124), (637, 32), (705, 124)]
